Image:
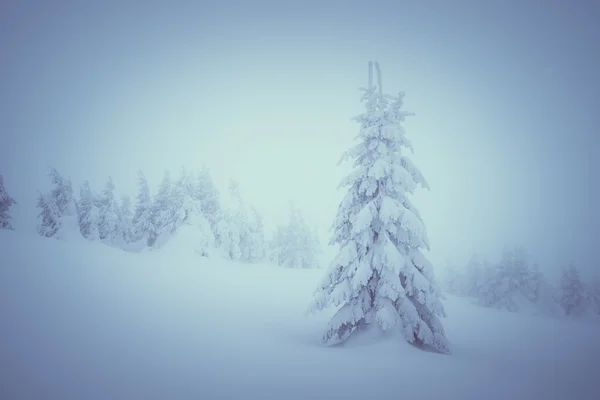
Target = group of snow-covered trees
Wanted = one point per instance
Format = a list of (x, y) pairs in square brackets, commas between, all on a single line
[(295, 245), (515, 283), (153, 219), (6, 202)]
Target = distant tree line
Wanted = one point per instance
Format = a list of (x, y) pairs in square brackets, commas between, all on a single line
[(153, 219), (517, 284)]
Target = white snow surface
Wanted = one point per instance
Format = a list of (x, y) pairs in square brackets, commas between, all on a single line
[(81, 320)]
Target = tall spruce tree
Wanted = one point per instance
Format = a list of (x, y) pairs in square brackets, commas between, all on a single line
[(380, 276)]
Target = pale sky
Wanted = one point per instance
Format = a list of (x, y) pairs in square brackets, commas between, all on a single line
[(505, 95)]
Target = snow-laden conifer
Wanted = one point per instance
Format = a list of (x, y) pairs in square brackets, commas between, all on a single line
[(5, 203), (58, 216), (125, 220), (142, 227), (87, 213), (380, 275), (109, 219), (571, 295), (295, 245), (161, 212)]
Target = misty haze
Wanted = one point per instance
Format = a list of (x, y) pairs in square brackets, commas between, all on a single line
[(299, 200)]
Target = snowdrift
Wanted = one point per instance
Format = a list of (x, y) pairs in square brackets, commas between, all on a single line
[(81, 320)]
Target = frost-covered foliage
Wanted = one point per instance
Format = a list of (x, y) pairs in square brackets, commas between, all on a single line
[(380, 276), (240, 233), (513, 283), (470, 282), (110, 222), (184, 208), (126, 224), (184, 202), (5, 203), (202, 234), (229, 237), (510, 281), (141, 224), (572, 297), (87, 213), (161, 212), (208, 196), (295, 245), (58, 209), (256, 237)]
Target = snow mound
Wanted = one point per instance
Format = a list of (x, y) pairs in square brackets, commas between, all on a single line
[(80, 320)]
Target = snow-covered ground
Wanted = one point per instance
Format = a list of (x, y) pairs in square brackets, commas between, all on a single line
[(80, 320)]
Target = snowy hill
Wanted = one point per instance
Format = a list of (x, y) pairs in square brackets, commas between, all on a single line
[(80, 320)]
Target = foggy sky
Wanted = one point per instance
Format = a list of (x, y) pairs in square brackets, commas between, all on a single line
[(505, 95)]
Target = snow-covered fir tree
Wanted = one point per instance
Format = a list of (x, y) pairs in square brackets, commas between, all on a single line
[(232, 229), (512, 282), (228, 237), (571, 294), (142, 227), (58, 216), (208, 197), (5, 203), (295, 245), (125, 221), (109, 218), (184, 202), (162, 212), (87, 213), (49, 215), (380, 277), (503, 281)]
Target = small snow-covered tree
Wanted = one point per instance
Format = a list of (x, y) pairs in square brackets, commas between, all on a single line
[(256, 237), (184, 202), (49, 215), (125, 219), (295, 245), (142, 227), (511, 282), (239, 233), (87, 213), (109, 217), (5, 203), (228, 235), (58, 209), (571, 292), (208, 196), (161, 211), (380, 276)]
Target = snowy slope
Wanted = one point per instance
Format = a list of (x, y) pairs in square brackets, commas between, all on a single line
[(81, 320)]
